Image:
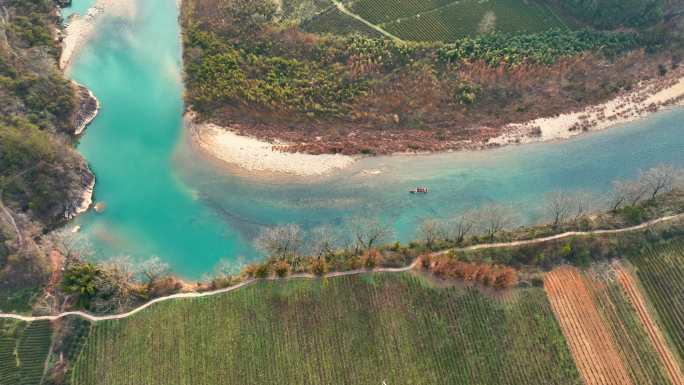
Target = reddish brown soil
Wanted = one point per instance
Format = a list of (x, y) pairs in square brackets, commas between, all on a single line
[(590, 340), (671, 365)]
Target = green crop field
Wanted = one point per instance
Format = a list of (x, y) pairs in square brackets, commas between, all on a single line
[(349, 330), (442, 20), (468, 17), (335, 22), (23, 351), (661, 272)]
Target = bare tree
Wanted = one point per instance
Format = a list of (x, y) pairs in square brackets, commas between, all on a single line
[(323, 241), (280, 241), (559, 206), (659, 179), (121, 269), (151, 270), (430, 231), (72, 245), (493, 218), (583, 202), (370, 232), (627, 193), (460, 226)]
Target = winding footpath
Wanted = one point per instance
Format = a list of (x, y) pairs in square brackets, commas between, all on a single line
[(249, 282), (341, 7)]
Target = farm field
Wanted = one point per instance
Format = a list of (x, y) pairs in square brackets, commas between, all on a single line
[(448, 20), (661, 274), (367, 329), (335, 22), (23, 351), (607, 336)]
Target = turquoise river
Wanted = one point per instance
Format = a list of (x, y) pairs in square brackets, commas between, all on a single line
[(163, 198)]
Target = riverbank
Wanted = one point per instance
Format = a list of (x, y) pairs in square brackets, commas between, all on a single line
[(649, 97), (88, 108), (80, 28), (191, 291), (255, 155)]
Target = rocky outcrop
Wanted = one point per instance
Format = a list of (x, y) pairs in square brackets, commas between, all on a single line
[(63, 3), (73, 192), (80, 193), (88, 107)]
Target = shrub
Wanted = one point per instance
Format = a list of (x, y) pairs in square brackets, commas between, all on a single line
[(281, 268), (318, 266), (262, 270)]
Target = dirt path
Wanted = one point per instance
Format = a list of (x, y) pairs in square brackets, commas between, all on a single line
[(339, 273), (631, 287), (589, 339), (56, 263), (574, 234), (93, 318), (351, 14)]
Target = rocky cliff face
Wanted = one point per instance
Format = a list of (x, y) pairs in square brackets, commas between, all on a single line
[(87, 108)]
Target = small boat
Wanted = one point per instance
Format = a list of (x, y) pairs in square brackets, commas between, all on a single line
[(419, 190)]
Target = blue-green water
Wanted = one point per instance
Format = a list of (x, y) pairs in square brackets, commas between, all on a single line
[(77, 6), (165, 199)]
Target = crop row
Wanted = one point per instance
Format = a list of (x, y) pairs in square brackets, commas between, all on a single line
[(383, 11), (661, 272), (335, 22), (607, 337), (23, 351), (459, 20), (347, 330), (633, 343)]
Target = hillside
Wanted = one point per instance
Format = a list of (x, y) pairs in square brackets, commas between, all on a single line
[(43, 181), (344, 77)]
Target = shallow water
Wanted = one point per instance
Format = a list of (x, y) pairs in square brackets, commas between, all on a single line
[(77, 6), (165, 199)]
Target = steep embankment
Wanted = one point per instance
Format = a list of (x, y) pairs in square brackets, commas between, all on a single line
[(43, 180)]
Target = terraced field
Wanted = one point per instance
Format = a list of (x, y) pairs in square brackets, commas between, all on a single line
[(23, 351), (609, 340), (447, 20), (661, 274), (350, 330)]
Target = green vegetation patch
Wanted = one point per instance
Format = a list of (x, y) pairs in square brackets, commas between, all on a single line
[(661, 272), (546, 47), (447, 20), (23, 351), (332, 21), (352, 330)]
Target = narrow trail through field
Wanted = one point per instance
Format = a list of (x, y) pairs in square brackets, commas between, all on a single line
[(633, 292), (93, 318), (343, 9), (590, 341)]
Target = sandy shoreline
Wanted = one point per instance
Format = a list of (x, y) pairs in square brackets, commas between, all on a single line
[(251, 154), (80, 28), (255, 155), (649, 97)]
